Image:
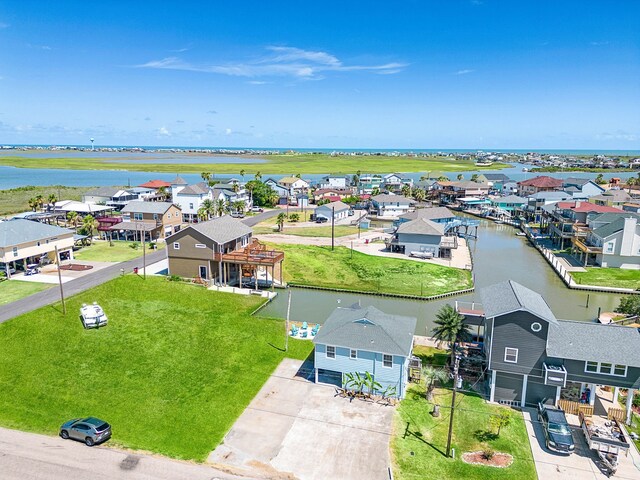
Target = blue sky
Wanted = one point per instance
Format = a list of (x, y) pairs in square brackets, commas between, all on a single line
[(413, 74)]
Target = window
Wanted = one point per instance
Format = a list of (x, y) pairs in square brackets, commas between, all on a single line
[(15, 251), (191, 206), (605, 368), (137, 216), (155, 216), (536, 326), (37, 244), (176, 246), (200, 245), (591, 367), (331, 351), (511, 355), (168, 215), (609, 247), (353, 354), (387, 361)]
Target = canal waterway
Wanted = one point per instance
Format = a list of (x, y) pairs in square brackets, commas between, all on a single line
[(498, 255)]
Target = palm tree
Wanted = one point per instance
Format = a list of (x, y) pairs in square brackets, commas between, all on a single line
[(205, 176), (443, 178), (450, 328), (208, 208), (631, 181), (235, 188), (221, 207), (258, 176), (242, 172), (474, 177), (375, 191), (600, 179), (406, 190), (52, 200), (89, 225), (73, 218), (418, 194), (238, 206), (163, 193), (33, 204), (460, 177), (431, 377), (203, 214), (298, 175), (280, 221)]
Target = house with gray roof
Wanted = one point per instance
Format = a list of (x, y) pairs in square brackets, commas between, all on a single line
[(392, 206), (26, 241), (422, 237), (338, 210), (155, 220), (531, 355), (613, 241), (365, 339), (115, 197)]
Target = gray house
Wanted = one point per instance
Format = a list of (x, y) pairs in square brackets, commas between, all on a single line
[(338, 210), (363, 340), (531, 355), (422, 236)]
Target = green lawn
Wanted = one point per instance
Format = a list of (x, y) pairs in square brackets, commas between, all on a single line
[(16, 200), (12, 290), (319, 266), (635, 427), (172, 371), (303, 163), (417, 431), (101, 251), (609, 277), (431, 355), (320, 231)]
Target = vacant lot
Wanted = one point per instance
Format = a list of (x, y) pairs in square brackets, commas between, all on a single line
[(609, 277), (419, 442), (12, 290), (119, 251), (344, 269), (16, 200), (172, 371)]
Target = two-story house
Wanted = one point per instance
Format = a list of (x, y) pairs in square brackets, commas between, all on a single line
[(190, 197), (495, 180), (612, 198), (155, 220), (567, 219), (582, 188), (223, 251), (337, 210), (526, 188), (531, 355), (334, 181), (357, 339), (387, 205), (26, 241), (422, 237), (614, 239), (295, 185)]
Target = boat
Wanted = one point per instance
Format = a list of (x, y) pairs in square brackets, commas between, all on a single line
[(424, 255), (521, 234), (484, 164), (525, 169), (92, 316)]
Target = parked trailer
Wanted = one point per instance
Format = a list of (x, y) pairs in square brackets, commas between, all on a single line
[(608, 440)]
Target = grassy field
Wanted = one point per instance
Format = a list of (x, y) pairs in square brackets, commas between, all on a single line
[(319, 266), (417, 431), (319, 231), (431, 355), (12, 290), (172, 371), (16, 200), (101, 251), (274, 164), (609, 277)]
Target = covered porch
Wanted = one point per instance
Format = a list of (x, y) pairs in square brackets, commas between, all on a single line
[(251, 266)]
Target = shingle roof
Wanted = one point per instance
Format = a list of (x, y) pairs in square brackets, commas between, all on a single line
[(510, 199), (496, 177), (140, 206), (421, 226), (368, 329), (156, 184), (551, 196), (222, 229), (542, 182), (103, 192), (613, 195), (195, 189), (594, 342), (179, 181), (507, 297), (339, 206), (16, 232), (610, 228), (613, 216), (468, 184), (587, 207), (431, 213), (388, 198), (579, 182)]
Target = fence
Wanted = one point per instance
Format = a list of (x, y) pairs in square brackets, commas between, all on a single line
[(576, 408), (618, 413)]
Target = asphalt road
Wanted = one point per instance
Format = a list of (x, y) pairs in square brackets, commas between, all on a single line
[(261, 217), (52, 295), (27, 456)]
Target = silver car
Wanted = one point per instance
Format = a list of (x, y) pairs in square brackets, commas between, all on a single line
[(89, 430)]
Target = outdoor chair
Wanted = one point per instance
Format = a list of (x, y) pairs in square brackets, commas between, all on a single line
[(304, 325), (304, 334)]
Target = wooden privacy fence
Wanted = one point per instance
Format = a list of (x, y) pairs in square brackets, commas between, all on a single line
[(617, 413), (575, 408)]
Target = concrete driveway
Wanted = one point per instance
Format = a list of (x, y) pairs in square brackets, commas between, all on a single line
[(579, 465), (294, 428)]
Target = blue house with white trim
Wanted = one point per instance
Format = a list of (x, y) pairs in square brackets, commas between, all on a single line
[(357, 339)]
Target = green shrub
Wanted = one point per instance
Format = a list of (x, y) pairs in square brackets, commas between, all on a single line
[(134, 245)]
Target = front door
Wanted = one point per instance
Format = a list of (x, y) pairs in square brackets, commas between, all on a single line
[(203, 271)]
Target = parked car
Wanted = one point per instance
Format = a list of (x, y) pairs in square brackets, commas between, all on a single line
[(237, 215), (321, 219), (556, 429), (3, 269), (93, 316), (32, 269), (90, 430), (257, 209)]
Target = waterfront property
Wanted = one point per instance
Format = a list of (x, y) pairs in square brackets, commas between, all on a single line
[(582, 188), (422, 237), (190, 198), (495, 180), (391, 206), (532, 356), (536, 203), (359, 340), (612, 198), (526, 188), (331, 194), (336, 210), (508, 204), (222, 251), (334, 181), (567, 220), (24, 242), (450, 192), (117, 197), (435, 214), (156, 220)]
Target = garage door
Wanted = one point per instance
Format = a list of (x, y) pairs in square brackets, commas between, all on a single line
[(538, 391), (330, 377), (508, 388)]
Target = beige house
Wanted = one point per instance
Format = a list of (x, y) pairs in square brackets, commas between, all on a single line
[(157, 220), (24, 241), (222, 251)]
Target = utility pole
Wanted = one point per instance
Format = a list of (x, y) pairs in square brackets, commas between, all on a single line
[(333, 223), (453, 402), (64, 308), (286, 331), (144, 257)]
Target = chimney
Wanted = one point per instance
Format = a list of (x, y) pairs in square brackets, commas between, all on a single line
[(628, 234), (577, 204)]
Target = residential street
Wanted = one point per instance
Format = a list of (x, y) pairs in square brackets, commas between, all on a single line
[(26, 456), (72, 287)]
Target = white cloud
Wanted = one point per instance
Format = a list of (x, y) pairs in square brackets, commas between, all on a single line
[(228, 131), (39, 47), (278, 61), (163, 132), (618, 135), (464, 72), (257, 82)]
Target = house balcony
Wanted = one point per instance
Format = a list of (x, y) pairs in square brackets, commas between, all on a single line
[(583, 247), (581, 230), (473, 309), (555, 375)]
